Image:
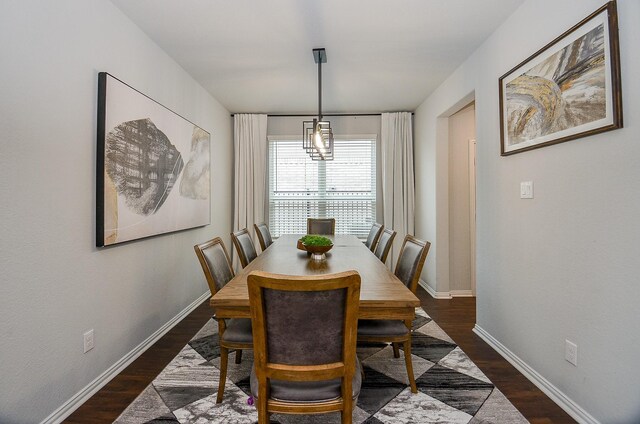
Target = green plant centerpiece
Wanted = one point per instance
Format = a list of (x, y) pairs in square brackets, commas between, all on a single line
[(311, 240), (317, 246)]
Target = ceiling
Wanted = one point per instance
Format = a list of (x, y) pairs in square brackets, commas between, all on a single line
[(256, 56)]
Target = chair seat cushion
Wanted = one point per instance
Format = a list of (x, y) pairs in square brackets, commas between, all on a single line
[(381, 328), (238, 331), (308, 391)]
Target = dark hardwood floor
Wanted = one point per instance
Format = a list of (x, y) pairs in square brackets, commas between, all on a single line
[(455, 316)]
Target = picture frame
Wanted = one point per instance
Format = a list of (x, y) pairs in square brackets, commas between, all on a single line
[(153, 167), (568, 89)]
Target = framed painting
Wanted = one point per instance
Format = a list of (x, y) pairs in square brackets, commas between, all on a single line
[(568, 89), (153, 167)]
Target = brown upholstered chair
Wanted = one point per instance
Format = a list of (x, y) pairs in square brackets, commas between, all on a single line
[(384, 244), (374, 235), (244, 246), (408, 270), (233, 333), (264, 235), (324, 226), (305, 343)]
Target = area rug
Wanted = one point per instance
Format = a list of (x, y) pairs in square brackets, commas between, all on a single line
[(451, 388)]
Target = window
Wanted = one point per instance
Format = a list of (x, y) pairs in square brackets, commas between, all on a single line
[(344, 188)]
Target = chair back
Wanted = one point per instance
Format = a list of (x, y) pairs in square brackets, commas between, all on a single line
[(215, 263), (264, 235), (384, 244), (374, 235), (244, 246), (411, 261), (304, 327), (323, 226)]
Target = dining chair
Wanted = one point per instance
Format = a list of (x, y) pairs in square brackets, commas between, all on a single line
[(244, 246), (234, 333), (304, 335), (264, 235), (374, 235), (384, 244), (324, 226), (408, 269)]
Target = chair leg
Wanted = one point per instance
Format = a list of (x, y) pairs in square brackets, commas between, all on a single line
[(263, 414), (238, 356), (396, 350), (224, 359), (407, 358), (346, 416), (347, 403)]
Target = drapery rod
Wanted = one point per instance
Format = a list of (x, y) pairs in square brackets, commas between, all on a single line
[(324, 114)]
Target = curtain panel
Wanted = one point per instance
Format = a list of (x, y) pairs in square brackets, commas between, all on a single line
[(398, 195), (250, 171)]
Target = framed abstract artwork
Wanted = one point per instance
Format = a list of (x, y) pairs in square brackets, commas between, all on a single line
[(568, 89), (153, 167)]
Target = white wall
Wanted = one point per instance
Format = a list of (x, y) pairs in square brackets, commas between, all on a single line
[(565, 264), (54, 283)]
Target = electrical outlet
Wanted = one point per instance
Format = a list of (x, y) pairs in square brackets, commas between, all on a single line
[(89, 342), (571, 352)]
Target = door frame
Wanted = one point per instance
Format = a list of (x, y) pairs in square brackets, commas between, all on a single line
[(472, 212)]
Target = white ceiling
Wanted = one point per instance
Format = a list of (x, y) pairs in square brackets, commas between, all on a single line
[(256, 56)]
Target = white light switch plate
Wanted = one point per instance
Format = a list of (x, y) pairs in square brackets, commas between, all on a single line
[(526, 190)]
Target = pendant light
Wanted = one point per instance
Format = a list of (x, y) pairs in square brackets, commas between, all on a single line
[(317, 135)]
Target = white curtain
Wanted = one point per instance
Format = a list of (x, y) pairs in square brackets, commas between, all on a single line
[(398, 197), (250, 165)]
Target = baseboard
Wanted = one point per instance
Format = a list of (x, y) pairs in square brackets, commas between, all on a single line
[(444, 295), (563, 401), (90, 389), (461, 293), (432, 292)]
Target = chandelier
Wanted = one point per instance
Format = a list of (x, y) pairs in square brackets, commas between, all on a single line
[(317, 136)]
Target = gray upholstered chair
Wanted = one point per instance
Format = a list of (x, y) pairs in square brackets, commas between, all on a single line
[(408, 269), (244, 246), (233, 333), (384, 244), (324, 226), (304, 330), (374, 235), (264, 235)]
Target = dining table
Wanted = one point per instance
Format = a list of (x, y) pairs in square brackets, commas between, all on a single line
[(382, 294)]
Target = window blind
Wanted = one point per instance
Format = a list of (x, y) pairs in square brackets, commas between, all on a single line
[(344, 188)]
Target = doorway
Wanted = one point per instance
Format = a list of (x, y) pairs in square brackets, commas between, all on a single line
[(462, 202)]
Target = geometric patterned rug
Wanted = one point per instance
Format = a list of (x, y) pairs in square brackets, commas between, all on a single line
[(451, 388)]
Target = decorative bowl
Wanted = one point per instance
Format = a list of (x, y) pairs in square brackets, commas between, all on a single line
[(317, 252)]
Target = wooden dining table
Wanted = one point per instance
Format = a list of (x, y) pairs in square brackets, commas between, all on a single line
[(382, 294)]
